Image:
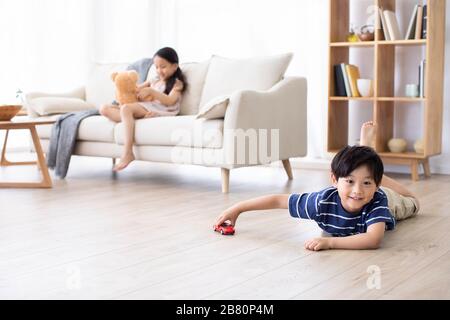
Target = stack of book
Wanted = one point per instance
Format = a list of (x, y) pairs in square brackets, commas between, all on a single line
[(345, 76), (417, 27)]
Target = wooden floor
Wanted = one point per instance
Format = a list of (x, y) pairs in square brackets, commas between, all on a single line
[(147, 234)]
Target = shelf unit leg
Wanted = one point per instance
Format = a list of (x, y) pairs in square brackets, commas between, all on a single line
[(426, 168), (414, 170)]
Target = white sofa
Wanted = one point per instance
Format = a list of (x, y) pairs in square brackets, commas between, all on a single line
[(262, 103)]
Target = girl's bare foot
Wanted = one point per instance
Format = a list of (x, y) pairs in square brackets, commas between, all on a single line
[(124, 162), (368, 130)]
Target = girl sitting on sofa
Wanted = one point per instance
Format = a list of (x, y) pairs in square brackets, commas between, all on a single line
[(156, 98)]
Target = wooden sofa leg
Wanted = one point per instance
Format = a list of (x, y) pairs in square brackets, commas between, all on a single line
[(225, 180), (288, 168)]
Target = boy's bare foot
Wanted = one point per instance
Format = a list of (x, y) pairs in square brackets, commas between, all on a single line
[(368, 131), (124, 162)]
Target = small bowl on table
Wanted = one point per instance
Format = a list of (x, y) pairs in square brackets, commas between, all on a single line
[(7, 112)]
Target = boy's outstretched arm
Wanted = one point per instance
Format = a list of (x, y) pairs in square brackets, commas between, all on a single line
[(274, 201), (369, 240)]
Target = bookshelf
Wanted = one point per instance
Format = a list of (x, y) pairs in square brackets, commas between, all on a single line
[(384, 101)]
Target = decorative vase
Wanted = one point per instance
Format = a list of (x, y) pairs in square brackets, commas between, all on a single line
[(365, 87), (397, 145), (367, 33), (418, 146)]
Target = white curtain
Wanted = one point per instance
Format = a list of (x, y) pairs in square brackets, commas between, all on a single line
[(44, 46), (123, 30)]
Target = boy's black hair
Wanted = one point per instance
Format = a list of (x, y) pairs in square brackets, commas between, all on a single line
[(171, 55), (353, 157)]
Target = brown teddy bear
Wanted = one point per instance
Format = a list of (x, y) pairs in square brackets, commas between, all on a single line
[(126, 86)]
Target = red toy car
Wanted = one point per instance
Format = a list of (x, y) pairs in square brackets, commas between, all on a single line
[(225, 229)]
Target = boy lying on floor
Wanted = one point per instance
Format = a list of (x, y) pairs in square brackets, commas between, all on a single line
[(356, 210)]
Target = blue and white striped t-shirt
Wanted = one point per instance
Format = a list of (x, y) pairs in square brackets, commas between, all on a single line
[(326, 209)]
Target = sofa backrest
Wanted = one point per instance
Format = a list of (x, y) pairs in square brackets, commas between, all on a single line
[(226, 76), (100, 88), (214, 77)]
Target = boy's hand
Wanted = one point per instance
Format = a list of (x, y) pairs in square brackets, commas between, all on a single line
[(229, 214), (317, 244)]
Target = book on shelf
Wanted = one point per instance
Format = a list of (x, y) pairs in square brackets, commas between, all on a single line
[(424, 21), (383, 25), (353, 75), (346, 80), (418, 33), (422, 68), (339, 81), (410, 32), (392, 25)]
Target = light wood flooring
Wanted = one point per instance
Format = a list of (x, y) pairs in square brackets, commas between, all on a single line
[(147, 234)]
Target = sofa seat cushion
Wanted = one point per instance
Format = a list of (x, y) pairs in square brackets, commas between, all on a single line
[(186, 131), (95, 128), (44, 131)]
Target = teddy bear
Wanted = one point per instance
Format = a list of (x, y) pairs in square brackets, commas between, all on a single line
[(126, 87)]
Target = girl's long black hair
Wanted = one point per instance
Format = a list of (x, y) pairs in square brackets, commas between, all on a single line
[(171, 55)]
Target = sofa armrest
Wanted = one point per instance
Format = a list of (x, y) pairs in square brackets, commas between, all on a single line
[(283, 108), (78, 93)]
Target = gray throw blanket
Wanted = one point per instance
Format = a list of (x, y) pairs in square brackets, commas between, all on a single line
[(141, 66), (63, 139)]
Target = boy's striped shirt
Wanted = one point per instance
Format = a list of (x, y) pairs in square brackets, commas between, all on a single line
[(326, 209)]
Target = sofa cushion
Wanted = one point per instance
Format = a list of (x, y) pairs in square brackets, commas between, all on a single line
[(215, 108), (95, 128), (225, 76), (53, 105), (99, 86), (195, 76), (184, 131), (195, 73)]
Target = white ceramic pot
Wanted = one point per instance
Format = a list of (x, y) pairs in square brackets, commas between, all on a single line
[(418, 146), (397, 145), (365, 87)]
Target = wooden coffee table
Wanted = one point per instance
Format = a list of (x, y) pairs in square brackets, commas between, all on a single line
[(19, 123)]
